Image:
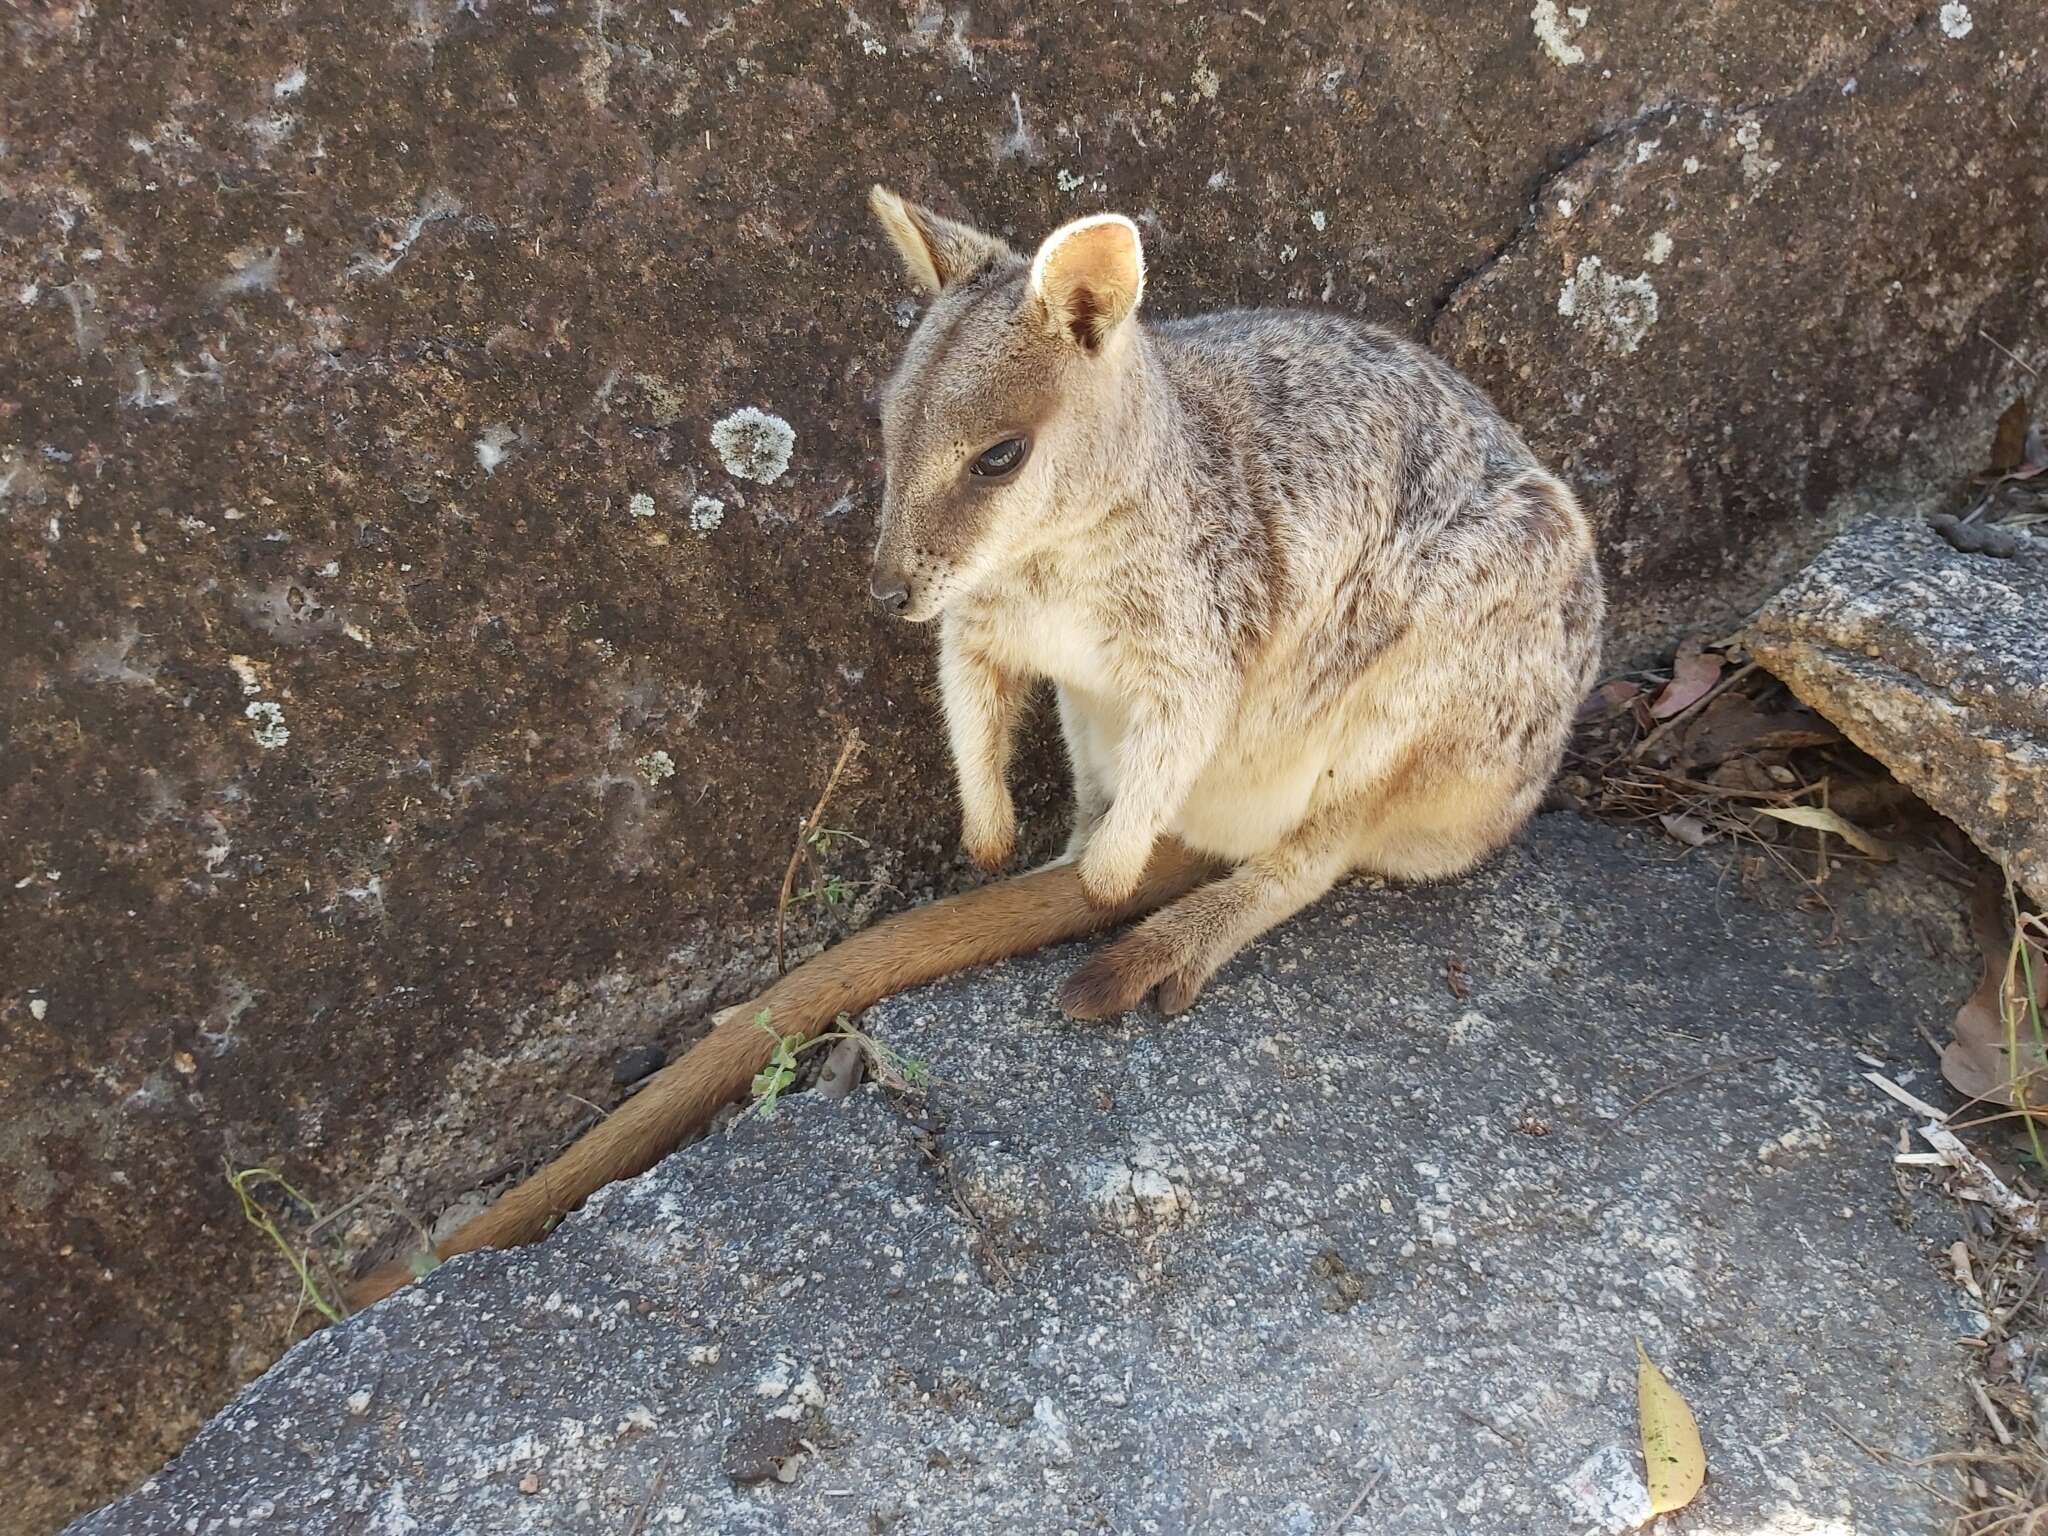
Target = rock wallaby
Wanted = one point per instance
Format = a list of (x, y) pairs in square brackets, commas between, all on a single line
[(1308, 606)]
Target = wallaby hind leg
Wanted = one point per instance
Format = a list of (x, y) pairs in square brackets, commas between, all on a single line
[(1177, 950), (992, 922)]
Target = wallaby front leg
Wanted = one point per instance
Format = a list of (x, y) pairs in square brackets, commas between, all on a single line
[(1163, 752), (982, 703)]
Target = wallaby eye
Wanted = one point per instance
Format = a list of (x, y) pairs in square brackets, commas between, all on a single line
[(1001, 459)]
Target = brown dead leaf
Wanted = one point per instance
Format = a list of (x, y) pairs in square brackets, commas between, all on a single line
[(1609, 698), (2009, 442), (1692, 674), (1869, 802), (1734, 724), (1977, 1062)]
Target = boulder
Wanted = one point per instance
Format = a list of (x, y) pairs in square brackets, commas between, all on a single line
[(1364, 1243), (1934, 661), (434, 496)]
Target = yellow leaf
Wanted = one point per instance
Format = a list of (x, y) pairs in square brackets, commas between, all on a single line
[(1827, 821), (1674, 1466)]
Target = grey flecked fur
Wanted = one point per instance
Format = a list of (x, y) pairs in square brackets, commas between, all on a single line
[(1309, 604)]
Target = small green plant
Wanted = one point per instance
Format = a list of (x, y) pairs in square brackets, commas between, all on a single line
[(889, 1067), (300, 1256), (833, 892), (822, 838)]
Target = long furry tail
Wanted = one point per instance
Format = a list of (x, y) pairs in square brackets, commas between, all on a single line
[(993, 922)]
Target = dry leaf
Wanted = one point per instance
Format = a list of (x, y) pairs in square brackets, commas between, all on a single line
[(1608, 699), (1976, 1062), (1674, 1466), (1733, 724), (2009, 442), (1692, 674), (1689, 830), (1827, 821), (841, 1073)]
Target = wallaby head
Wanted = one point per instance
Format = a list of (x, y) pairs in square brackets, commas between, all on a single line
[(994, 424)]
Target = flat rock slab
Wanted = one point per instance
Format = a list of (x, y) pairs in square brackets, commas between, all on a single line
[(1342, 1250), (436, 497), (1935, 662)]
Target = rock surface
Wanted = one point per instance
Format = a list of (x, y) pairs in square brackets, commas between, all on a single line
[(415, 658), (1935, 662), (1339, 1251)]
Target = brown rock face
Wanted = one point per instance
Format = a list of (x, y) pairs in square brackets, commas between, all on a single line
[(415, 658), (1935, 662)]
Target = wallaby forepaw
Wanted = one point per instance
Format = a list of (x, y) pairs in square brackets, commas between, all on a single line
[(991, 840), (991, 852), (1106, 882)]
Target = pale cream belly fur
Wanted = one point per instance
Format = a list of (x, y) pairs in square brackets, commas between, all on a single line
[(1247, 801)]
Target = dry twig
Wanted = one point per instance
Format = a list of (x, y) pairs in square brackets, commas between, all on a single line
[(803, 841)]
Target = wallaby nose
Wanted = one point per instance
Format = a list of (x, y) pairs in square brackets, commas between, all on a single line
[(892, 592)]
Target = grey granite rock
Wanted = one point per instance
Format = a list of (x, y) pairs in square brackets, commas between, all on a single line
[(1341, 1250), (416, 653), (1934, 661)]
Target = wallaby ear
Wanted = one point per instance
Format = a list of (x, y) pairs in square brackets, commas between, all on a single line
[(1089, 275), (936, 251)]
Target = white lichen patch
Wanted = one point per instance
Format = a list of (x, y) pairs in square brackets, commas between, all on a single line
[(1321, 220), (1607, 1493), (640, 505), (1756, 165), (39, 1008), (1206, 81), (289, 85), (1552, 33), (267, 724), (495, 446), (245, 670), (754, 444), (656, 766), (1660, 248), (706, 513), (1955, 19), (1620, 310)]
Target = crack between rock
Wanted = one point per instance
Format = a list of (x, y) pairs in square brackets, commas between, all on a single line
[(1575, 154), (934, 1159)]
